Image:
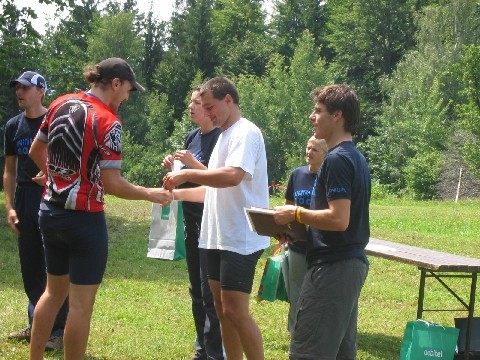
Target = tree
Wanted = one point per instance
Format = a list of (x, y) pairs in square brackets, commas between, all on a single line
[(418, 122), (279, 103), (291, 18), (190, 49), (368, 38), (19, 51), (240, 37), (64, 50), (468, 70), (154, 40), (114, 36), (142, 161)]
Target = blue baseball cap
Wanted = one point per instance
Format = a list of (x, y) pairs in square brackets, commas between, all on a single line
[(30, 78)]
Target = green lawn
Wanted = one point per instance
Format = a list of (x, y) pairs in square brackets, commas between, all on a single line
[(143, 307)]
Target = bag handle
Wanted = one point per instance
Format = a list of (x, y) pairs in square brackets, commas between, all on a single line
[(430, 323)]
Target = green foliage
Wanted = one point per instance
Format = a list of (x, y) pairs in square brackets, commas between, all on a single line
[(468, 71), (382, 191), (190, 49), (368, 38), (291, 18), (240, 37), (418, 122), (422, 175), (414, 64), (279, 103), (142, 162), (115, 36), (19, 44), (154, 40), (64, 50)]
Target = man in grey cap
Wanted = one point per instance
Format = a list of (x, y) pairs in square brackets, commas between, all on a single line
[(23, 190)]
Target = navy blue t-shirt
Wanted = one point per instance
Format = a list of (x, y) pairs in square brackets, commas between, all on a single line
[(299, 190), (19, 134), (201, 147), (344, 174)]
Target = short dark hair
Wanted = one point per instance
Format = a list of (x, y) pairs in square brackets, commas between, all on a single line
[(221, 86), (340, 97)]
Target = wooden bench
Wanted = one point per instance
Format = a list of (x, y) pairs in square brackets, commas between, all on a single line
[(437, 265)]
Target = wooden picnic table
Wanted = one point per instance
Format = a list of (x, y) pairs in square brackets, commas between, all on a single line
[(435, 264)]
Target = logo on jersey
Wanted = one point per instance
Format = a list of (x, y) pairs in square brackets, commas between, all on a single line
[(113, 138), (62, 172), (74, 108)]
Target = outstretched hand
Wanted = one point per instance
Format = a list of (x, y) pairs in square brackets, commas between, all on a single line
[(162, 196)]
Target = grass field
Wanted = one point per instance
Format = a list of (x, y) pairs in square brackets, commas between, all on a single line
[(143, 307)]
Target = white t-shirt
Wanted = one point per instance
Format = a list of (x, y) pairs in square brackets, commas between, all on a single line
[(224, 225)]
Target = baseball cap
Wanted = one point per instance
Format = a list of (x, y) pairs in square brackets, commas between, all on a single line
[(30, 78), (114, 67)]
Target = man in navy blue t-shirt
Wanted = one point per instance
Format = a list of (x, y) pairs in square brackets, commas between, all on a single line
[(23, 184), (326, 320)]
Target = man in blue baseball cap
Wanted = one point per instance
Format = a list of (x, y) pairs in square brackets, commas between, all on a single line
[(23, 183), (30, 78)]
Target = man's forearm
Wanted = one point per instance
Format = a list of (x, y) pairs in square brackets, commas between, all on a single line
[(9, 186), (196, 194), (219, 178)]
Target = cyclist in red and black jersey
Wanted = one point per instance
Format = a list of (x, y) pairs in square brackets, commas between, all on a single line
[(78, 147)]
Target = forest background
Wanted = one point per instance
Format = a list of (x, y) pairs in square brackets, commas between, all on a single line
[(414, 63)]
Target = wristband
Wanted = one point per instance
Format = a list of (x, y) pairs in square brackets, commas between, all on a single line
[(298, 214)]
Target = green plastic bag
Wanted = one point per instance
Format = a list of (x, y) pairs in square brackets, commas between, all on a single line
[(427, 341), (167, 238), (272, 284)]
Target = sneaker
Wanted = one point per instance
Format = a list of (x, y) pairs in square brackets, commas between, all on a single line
[(54, 343), (23, 334)]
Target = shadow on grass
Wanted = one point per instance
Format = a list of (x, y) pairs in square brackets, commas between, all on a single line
[(127, 259), (379, 345)]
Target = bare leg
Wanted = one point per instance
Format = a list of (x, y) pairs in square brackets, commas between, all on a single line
[(45, 312), (77, 329), (230, 337), (236, 309), (240, 332)]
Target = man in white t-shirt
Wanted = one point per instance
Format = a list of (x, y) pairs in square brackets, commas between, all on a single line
[(236, 179)]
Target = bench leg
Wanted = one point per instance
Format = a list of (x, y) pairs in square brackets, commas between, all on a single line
[(421, 293), (471, 310)]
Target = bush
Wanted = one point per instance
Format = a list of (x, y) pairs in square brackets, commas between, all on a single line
[(422, 174), (382, 191)]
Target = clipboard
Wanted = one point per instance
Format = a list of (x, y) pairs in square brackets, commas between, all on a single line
[(261, 221)]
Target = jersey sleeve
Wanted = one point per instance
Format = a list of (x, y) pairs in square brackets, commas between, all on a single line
[(110, 145)]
